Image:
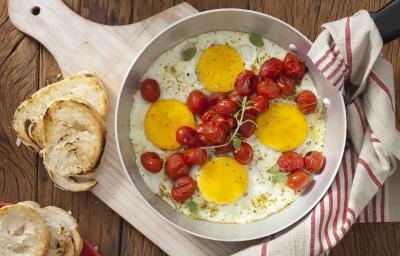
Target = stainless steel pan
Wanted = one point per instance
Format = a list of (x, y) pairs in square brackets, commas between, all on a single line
[(278, 32)]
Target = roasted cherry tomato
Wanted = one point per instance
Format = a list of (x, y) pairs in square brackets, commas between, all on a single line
[(245, 83), (216, 97), (235, 97), (214, 133), (176, 166), (183, 188), (197, 102), (207, 115), (186, 136), (224, 149), (151, 161), (221, 122), (268, 87), (299, 180), (248, 128), (200, 134), (231, 123), (314, 161), (150, 90), (290, 162), (260, 102), (294, 66), (197, 156), (244, 154), (286, 85), (226, 107), (306, 101), (271, 68)]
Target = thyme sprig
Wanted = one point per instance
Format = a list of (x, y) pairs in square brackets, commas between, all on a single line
[(235, 138)]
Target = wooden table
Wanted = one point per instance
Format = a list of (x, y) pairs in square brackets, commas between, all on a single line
[(26, 66)]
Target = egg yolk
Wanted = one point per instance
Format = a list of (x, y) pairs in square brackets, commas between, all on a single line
[(218, 67), (222, 180), (283, 127), (162, 120)]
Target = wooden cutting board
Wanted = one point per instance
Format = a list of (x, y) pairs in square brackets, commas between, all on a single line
[(78, 44)]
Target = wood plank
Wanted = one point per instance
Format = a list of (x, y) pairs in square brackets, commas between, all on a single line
[(19, 57)]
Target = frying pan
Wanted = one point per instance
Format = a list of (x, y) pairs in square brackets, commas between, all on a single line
[(280, 33)]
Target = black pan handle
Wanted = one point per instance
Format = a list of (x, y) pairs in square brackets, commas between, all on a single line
[(387, 20)]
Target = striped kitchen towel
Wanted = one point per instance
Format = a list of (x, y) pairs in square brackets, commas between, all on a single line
[(348, 54)]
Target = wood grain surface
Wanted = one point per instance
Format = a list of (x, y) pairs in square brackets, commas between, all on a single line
[(26, 66)]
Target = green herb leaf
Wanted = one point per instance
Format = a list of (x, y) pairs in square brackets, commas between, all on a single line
[(279, 177), (236, 143), (273, 169), (256, 40), (188, 54), (193, 208)]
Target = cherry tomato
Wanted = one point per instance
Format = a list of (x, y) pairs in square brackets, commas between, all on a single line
[(260, 102), (231, 123), (294, 66), (286, 85), (214, 133), (268, 87), (226, 107), (221, 122), (306, 101), (245, 83), (244, 154), (314, 161), (216, 97), (299, 180), (197, 102), (224, 149), (176, 166), (248, 128), (207, 115), (290, 162), (152, 162), (270, 68), (186, 136), (235, 97), (150, 90), (200, 134), (183, 188), (197, 156)]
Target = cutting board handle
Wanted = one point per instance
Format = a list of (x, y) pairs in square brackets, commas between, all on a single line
[(79, 44), (54, 25)]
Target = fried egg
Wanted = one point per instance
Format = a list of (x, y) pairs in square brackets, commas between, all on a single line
[(227, 192)]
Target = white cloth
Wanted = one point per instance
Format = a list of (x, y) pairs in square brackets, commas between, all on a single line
[(348, 50)]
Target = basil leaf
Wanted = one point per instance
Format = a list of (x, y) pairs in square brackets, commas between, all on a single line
[(236, 143), (188, 54), (279, 177), (256, 40), (193, 208), (273, 169)]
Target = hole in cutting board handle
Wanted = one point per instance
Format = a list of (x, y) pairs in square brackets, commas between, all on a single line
[(35, 10)]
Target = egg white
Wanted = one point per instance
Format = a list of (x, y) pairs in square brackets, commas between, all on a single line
[(177, 78)]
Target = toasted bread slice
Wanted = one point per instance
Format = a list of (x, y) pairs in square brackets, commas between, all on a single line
[(70, 224), (74, 140), (27, 120), (22, 232), (61, 240)]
